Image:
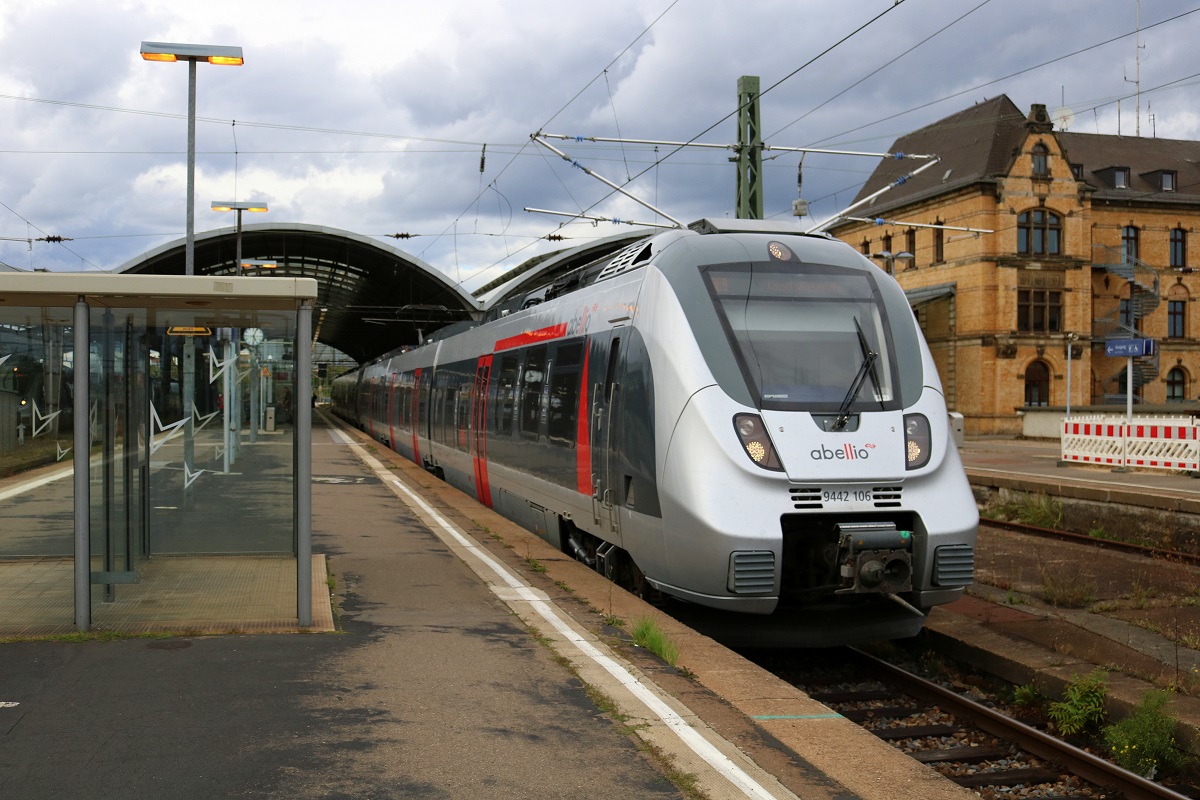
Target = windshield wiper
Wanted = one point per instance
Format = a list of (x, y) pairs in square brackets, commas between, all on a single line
[(866, 348), (868, 366)]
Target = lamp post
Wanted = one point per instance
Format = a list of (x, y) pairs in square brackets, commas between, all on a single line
[(1071, 339), (239, 206), (191, 53)]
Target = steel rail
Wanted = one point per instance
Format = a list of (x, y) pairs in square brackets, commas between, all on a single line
[(1091, 541), (1072, 759)]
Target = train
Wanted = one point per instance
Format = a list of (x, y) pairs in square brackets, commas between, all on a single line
[(734, 417)]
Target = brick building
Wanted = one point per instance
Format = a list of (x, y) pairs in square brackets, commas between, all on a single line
[(1091, 240)]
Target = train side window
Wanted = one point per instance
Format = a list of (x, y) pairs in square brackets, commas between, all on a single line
[(532, 381), (506, 396), (564, 395), (462, 413)]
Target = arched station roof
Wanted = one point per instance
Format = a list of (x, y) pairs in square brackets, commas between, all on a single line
[(371, 297)]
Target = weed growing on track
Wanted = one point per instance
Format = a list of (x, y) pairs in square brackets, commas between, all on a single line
[(1144, 742), (1039, 510), (1082, 706), (1066, 586)]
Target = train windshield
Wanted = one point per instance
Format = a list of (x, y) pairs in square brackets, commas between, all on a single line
[(806, 338)]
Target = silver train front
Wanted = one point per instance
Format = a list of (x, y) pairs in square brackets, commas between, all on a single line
[(839, 538)]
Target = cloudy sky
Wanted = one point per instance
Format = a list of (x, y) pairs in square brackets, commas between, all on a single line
[(376, 117)]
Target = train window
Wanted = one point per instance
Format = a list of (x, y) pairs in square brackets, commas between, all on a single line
[(564, 395), (802, 338), (462, 413), (533, 379), (506, 396)]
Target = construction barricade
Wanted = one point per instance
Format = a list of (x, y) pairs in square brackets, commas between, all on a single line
[(1146, 443)]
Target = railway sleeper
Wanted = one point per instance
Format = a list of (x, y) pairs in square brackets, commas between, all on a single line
[(962, 755), (1007, 777), (916, 732)]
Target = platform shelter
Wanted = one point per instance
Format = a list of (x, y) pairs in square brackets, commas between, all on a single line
[(186, 436)]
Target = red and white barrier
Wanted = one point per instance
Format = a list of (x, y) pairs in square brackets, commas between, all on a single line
[(1169, 443)]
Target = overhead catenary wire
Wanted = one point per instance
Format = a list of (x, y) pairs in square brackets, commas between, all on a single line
[(625, 155)]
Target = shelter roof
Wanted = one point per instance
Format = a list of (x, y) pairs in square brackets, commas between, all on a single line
[(371, 297)]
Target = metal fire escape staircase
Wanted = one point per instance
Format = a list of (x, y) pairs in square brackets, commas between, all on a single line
[(1144, 298)]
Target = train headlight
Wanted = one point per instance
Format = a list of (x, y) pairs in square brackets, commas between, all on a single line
[(755, 441), (918, 442)]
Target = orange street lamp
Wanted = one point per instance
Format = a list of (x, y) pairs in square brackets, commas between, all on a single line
[(239, 206), (191, 53)]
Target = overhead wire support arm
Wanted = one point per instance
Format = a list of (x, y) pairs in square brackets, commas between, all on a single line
[(664, 143), (881, 221), (841, 215), (537, 138), (593, 218)]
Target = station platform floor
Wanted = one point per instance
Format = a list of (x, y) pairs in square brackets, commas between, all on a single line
[(464, 658)]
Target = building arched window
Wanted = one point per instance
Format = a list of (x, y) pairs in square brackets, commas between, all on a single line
[(1039, 233), (1041, 161), (1176, 385), (1129, 242), (1177, 300), (1037, 384)]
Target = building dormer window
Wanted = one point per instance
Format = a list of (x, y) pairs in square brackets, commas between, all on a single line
[(1167, 181), (1077, 171), (1041, 161), (1120, 177)]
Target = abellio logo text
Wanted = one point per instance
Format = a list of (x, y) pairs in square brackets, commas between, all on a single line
[(846, 452)]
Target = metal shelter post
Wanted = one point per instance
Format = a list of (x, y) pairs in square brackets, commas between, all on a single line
[(302, 417), (82, 445)]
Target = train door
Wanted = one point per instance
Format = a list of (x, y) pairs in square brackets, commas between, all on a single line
[(477, 429), (416, 417), (391, 413), (604, 394)]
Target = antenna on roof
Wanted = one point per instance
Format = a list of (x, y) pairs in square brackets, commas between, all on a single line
[(1137, 81)]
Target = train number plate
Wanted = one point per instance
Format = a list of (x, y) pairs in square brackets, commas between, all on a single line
[(839, 496)]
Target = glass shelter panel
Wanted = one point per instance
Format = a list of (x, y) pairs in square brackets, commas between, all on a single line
[(149, 448), (36, 491)]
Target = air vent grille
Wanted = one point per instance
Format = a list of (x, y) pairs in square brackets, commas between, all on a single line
[(752, 572), (886, 496), (805, 496), (954, 565), (624, 260)]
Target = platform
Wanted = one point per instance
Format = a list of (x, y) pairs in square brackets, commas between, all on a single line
[(471, 659)]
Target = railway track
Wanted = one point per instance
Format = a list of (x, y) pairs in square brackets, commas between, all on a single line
[(1177, 556), (969, 742)]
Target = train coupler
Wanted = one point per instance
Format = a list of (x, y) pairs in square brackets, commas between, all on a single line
[(874, 558)]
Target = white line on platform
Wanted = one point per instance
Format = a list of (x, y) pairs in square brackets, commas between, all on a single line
[(21, 488), (688, 734)]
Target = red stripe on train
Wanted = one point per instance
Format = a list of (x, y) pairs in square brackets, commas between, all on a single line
[(583, 432), (531, 337)]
